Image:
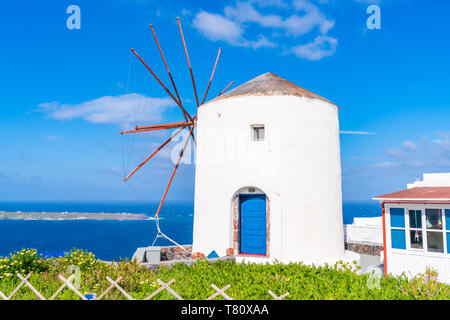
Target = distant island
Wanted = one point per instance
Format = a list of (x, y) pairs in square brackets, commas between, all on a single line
[(70, 216)]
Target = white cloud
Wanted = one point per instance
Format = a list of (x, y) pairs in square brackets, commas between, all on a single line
[(261, 42), (409, 145), (443, 140), (295, 25), (430, 155), (409, 159), (110, 110), (303, 18), (394, 152), (313, 17), (385, 164), (216, 27), (272, 3), (245, 12), (322, 46), (186, 12)]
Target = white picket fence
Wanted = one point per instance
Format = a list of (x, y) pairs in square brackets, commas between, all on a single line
[(115, 285)]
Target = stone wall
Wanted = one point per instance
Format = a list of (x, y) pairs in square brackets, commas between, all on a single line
[(175, 253), (170, 263), (364, 248)]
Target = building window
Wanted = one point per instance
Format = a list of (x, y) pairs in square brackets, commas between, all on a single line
[(425, 229), (415, 229), (258, 132), (447, 227), (435, 241), (435, 237), (398, 228), (434, 218), (415, 219), (416, 239)]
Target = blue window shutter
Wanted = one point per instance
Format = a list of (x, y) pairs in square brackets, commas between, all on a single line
[(448, 243), (447, 219), (397, 217), (398, 239)]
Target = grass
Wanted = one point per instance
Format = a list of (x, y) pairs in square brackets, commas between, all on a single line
[(248, 281)]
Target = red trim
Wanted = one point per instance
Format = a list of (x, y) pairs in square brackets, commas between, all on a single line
[(384, 239), (418, 201), (252, 254)]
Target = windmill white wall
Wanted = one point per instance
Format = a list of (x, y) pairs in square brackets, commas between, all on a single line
[(297, 166)]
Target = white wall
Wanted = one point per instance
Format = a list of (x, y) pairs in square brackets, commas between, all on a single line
[(413, 261), (297, 166), (432, 180)]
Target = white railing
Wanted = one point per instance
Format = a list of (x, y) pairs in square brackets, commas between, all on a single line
[(67, 283), (366, 234)]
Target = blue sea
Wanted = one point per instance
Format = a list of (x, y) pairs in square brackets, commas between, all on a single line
[(113, 239)]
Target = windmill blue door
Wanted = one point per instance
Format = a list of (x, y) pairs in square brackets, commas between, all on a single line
[(252, 223)]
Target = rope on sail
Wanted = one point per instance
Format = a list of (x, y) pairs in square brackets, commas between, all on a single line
[(137, 110), (160, 234)]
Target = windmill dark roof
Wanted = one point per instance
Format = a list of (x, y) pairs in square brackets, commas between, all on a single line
[(269, 84)]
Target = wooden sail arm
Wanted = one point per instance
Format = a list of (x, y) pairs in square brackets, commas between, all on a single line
[(162, 84), (225, 89), (160, 127), (212, 75), (189, 63), (173, 174), (171, 125), (154, 152), (170, 75), (165, 64)]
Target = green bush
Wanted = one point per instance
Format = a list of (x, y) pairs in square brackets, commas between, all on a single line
[(24, 262), (76, 257), (423, 286), (248, 280)]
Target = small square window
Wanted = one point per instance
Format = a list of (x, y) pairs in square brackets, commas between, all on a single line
[(434, 218), (258, 132), (416, 239), (415, 219), (435, 241)]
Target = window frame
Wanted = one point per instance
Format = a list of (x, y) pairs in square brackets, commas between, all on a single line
[(442, 230), (415, 229), (445, 208), (405, 223), (253, 127)]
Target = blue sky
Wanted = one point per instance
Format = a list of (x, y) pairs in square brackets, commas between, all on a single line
[(65, 94)]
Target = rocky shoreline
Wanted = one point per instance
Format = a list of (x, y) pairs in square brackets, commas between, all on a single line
[(70, 216)]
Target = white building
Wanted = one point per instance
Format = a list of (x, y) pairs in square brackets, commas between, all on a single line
[(268, 175), (416, 225)]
